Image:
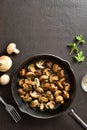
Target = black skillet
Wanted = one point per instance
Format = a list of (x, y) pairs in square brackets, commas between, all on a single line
[(24, 107)]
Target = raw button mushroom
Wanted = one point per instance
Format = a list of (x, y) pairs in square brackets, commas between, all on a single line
[(5, 63), (4, 79), (11, 48)]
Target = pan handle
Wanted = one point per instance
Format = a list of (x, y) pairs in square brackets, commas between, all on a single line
[(78, 119)]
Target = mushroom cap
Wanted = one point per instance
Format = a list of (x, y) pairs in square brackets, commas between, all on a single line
[(5, 63), (4, 79), (11, 47)]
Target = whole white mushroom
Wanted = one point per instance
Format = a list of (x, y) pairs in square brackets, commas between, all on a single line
[(4, 79), (5, 63), (11, 48)]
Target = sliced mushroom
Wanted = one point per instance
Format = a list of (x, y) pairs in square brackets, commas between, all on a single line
[(23, 72), (34, 103), (40, 64), (67, 86), (65, 94), (21, 81), (53, 78), (49, 64), (46, 72), (25, 87), (30, 74), (49, 96), (53, 88), (50, 105), (45, 86), (42, 106), (34, 94), (43, 77), (21, 92), (59, 99), (26, 98), (31, 68), (43, 99), (38, 89), (60, 74), (56, 68), (59, 85), (37, 82), (58, 92), (38, 72), (62, 80)]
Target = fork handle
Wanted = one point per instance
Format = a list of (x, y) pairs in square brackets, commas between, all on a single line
[(78, 119), (3, 101)]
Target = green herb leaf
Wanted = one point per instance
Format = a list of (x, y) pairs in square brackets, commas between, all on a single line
[(74, 47), (80, 39), (79, 57)]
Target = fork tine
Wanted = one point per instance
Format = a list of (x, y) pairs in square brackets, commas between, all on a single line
[(15, 115)]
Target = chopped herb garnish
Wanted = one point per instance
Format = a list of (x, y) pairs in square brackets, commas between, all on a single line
[(80, 39), (79, 57)]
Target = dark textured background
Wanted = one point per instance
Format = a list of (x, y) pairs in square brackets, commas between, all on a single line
[(43, 26)]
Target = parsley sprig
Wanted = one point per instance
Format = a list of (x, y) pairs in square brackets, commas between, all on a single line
[(79, 56)]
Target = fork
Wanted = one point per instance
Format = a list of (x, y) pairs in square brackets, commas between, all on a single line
[(11, 110)]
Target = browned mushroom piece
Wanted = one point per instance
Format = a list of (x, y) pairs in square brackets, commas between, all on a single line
[(41, 106), (61, 74), (38, 89), (26, 98), (30, 75), (59, 99), (40, 64), (53, 78), (49, 64), (59, 85), (58, 92), (21, 81), (34, 94), (34, 103), (67, 86), (53, 88), (23, 72), (25, 87), (50, 105), (62, 80), (38, 72), (43, 77), (56, 68), (47, 72), (43, 99), (45, 85), (31, 68), (50, 96), (21, 92), (65, 94)]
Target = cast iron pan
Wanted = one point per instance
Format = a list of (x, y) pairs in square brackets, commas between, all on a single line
[(24, 107)]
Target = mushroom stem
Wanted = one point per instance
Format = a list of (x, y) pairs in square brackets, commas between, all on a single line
[(16, 51)]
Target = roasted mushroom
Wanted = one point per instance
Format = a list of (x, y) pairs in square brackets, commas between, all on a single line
[(34, 94), (23, 72), (53, 78), (34, 103), (47, 72), (50, 105), (26, 98), (21, 92), (40, 64), (31, 68), (56, 68)]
